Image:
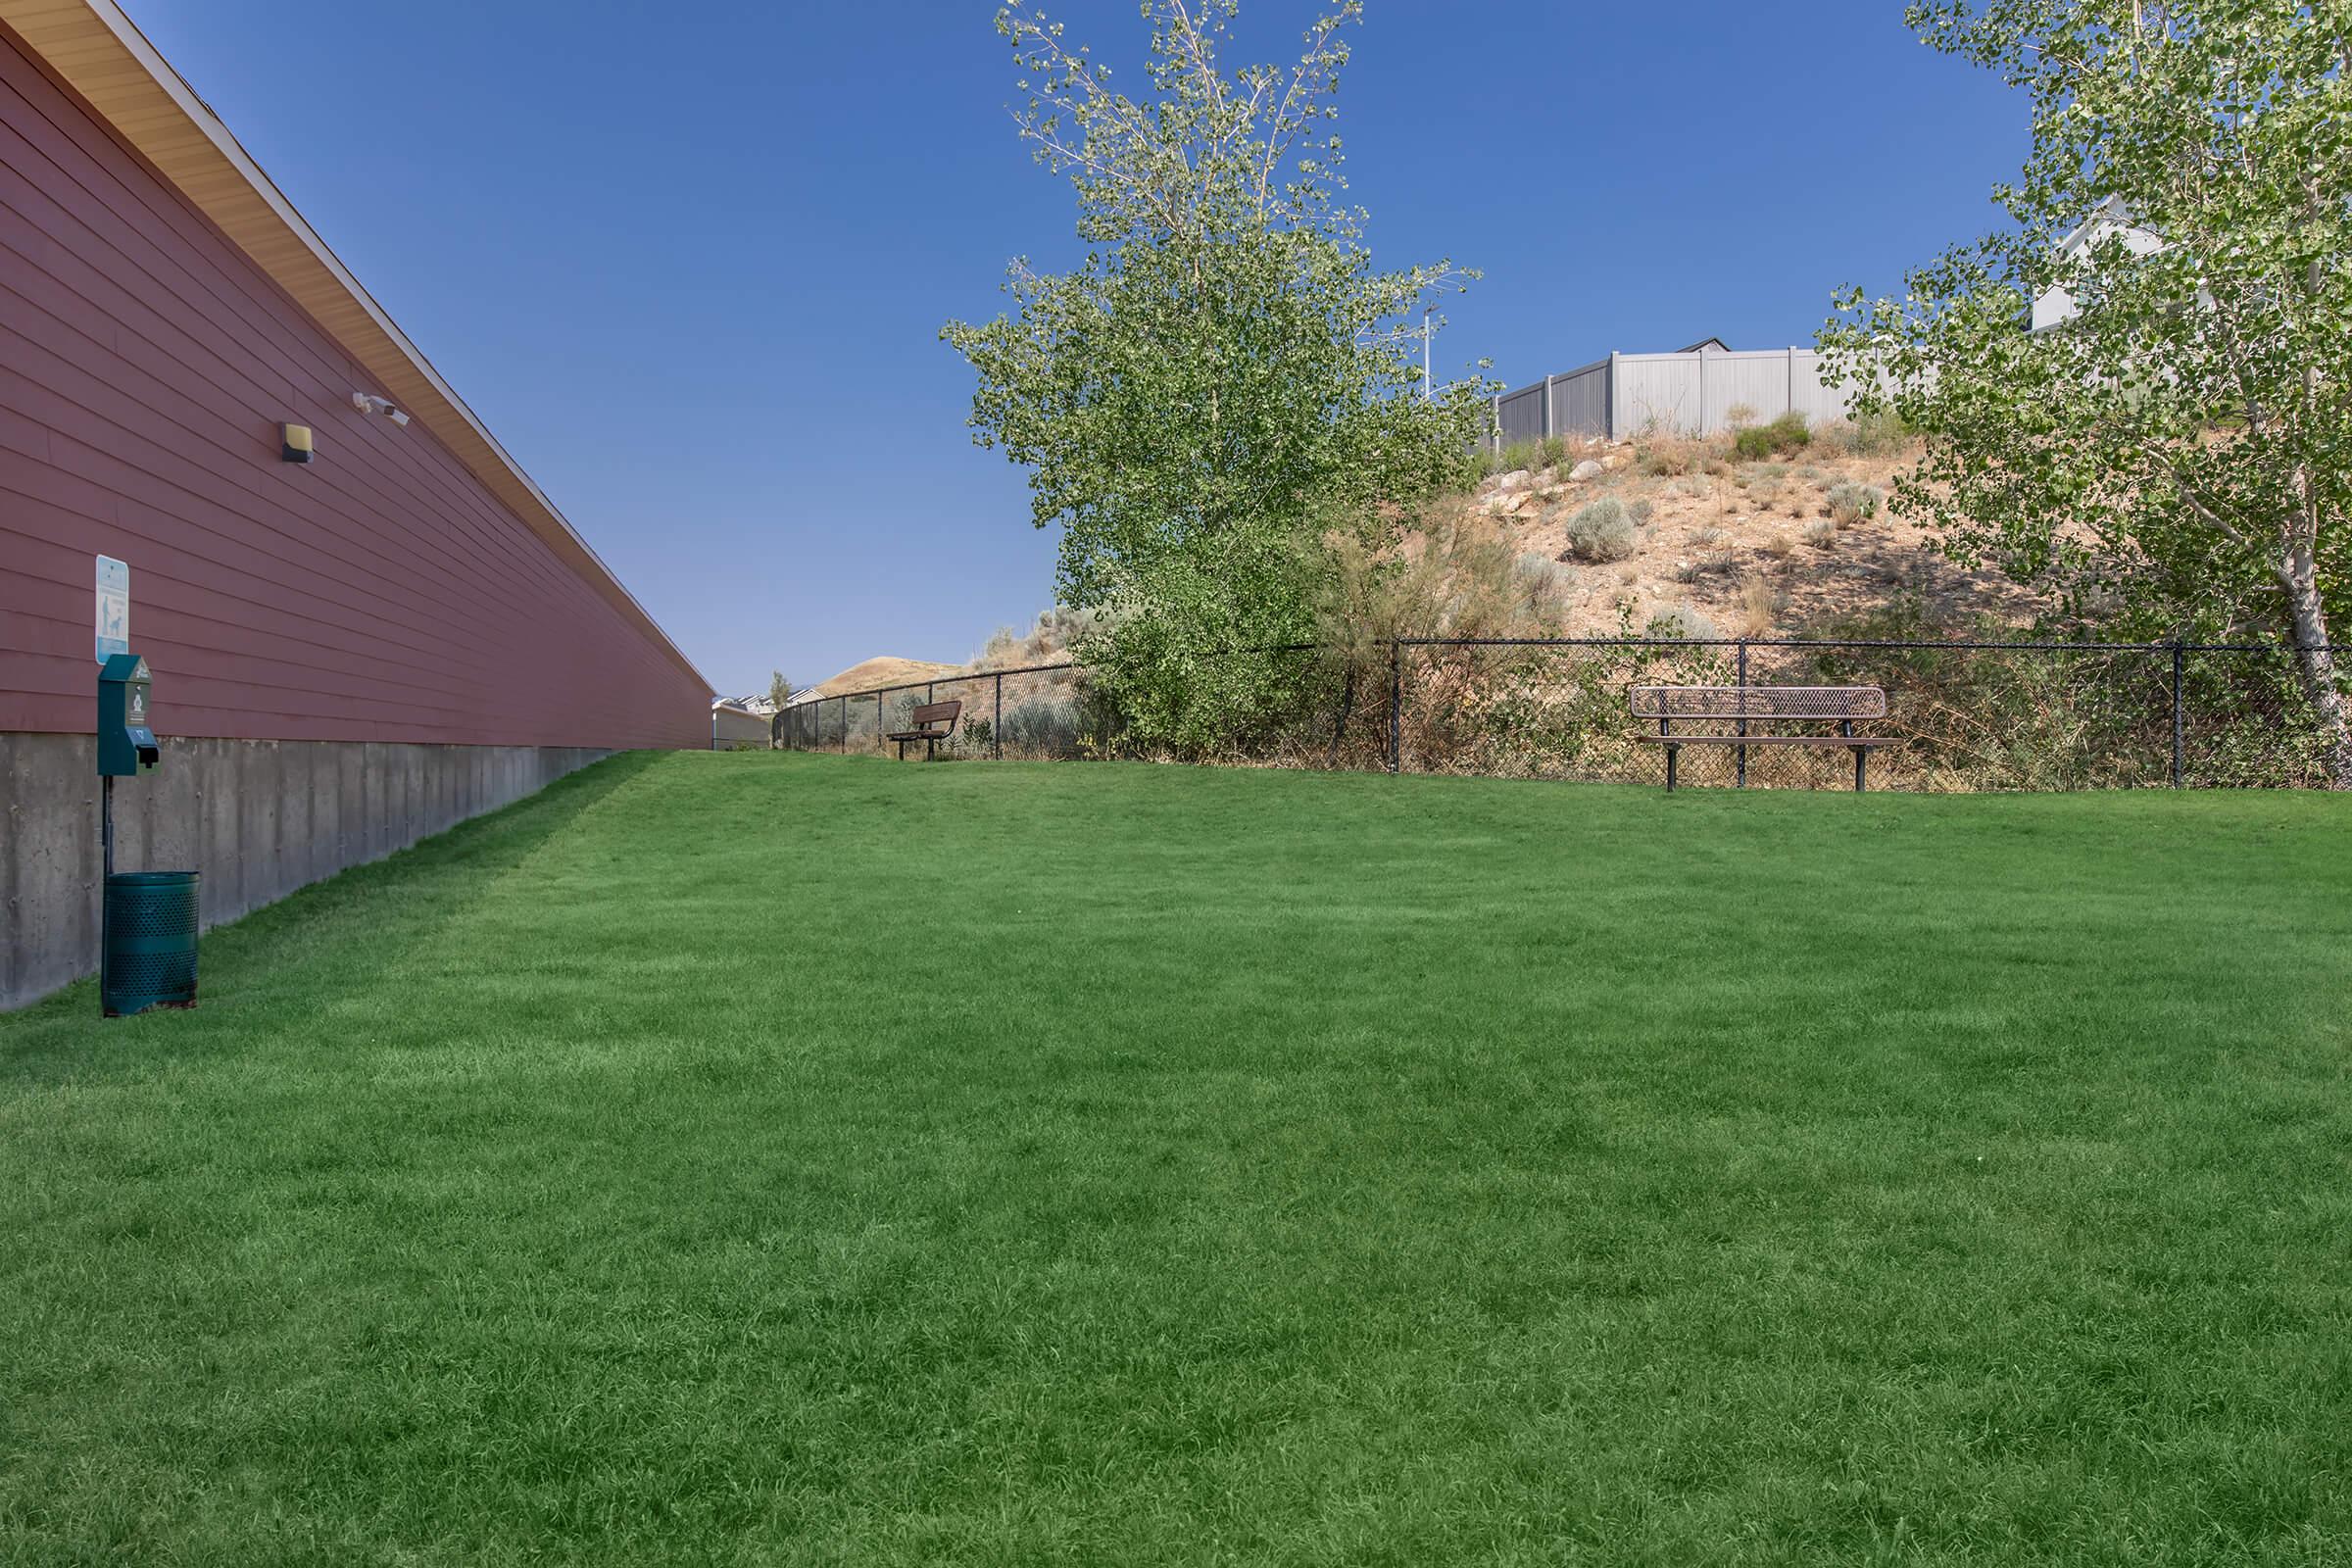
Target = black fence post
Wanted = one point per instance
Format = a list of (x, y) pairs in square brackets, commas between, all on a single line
[(1740, 753), (995, 728), (1396, 707), (2179, 717), (845, 723)]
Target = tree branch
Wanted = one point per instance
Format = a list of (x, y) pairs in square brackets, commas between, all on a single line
[(2166, 459)]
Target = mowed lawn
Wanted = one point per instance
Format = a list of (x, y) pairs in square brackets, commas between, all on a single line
[(787, 1159)]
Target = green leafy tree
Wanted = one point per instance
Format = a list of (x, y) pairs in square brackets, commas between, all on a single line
[(2179, 446), (779, 690), (1224, 373)]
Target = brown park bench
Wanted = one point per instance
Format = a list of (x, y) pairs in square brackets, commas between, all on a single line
[(1780, 707), (933, 723)]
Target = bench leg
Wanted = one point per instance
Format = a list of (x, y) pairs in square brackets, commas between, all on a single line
[(1861, 763), (1671, 753)]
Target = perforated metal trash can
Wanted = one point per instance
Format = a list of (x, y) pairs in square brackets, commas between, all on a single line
[(150, 956)]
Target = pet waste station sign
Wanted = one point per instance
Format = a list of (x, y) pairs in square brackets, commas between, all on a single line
[(113, 607)]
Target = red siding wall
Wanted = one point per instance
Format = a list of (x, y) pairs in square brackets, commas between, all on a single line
[(379, 593)]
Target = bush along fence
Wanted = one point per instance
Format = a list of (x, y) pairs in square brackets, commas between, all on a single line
[(1968, 715)]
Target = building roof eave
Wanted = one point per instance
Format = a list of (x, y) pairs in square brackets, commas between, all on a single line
[(97, 52)]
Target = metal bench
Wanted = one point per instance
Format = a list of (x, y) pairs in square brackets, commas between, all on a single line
[(933, 723), (1782, 707)]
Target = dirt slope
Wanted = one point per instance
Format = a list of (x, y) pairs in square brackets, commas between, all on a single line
[(882, 671), (1749, 547)]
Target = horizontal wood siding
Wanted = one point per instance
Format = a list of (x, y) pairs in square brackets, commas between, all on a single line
[(379, 593)]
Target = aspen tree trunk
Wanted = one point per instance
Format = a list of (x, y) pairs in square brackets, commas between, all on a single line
[(2315, 662)]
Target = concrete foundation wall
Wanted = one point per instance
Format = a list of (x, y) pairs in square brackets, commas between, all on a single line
[(258, 818)]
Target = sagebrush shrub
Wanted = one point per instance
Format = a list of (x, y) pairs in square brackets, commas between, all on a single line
[(1681, 620), (1603, 530), (1851, 503), (1538, 571)]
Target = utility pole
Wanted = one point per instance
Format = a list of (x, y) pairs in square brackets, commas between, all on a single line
[(1425, 310)]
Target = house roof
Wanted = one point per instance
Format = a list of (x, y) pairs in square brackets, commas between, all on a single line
[(2109, 215), (96, 52), (1693, 348)]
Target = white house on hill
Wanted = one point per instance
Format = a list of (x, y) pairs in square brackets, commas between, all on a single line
[(2108, 218)]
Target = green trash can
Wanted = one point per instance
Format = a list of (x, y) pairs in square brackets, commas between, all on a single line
[(150, 956)]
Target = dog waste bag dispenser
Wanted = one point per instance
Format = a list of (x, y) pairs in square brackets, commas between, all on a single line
[(147, 943), (126, 739)]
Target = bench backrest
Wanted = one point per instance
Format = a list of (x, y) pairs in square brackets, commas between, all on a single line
[(1832, 703), (927, 714)]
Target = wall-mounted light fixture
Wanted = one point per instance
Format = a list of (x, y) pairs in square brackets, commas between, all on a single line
[(294, 443), (370, 403)]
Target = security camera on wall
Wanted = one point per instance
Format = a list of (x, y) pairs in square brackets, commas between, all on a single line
[(370, 403)]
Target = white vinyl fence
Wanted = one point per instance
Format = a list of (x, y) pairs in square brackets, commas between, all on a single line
[(1690, 393)]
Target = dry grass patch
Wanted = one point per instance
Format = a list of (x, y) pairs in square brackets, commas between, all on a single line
[(1759, 607)]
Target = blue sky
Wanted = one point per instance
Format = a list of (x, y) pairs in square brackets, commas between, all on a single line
[(689, 262)]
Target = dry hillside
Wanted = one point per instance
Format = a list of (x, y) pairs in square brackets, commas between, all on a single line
[(1752, 547), (1718, 545), (885, 671)]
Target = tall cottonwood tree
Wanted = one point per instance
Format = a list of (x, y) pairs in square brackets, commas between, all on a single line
[(2184, 440), (1224, 371)]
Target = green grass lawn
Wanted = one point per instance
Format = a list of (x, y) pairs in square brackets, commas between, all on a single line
[(768, 1158)]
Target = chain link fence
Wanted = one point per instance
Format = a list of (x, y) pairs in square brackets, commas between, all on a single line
[(1965, 715)]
